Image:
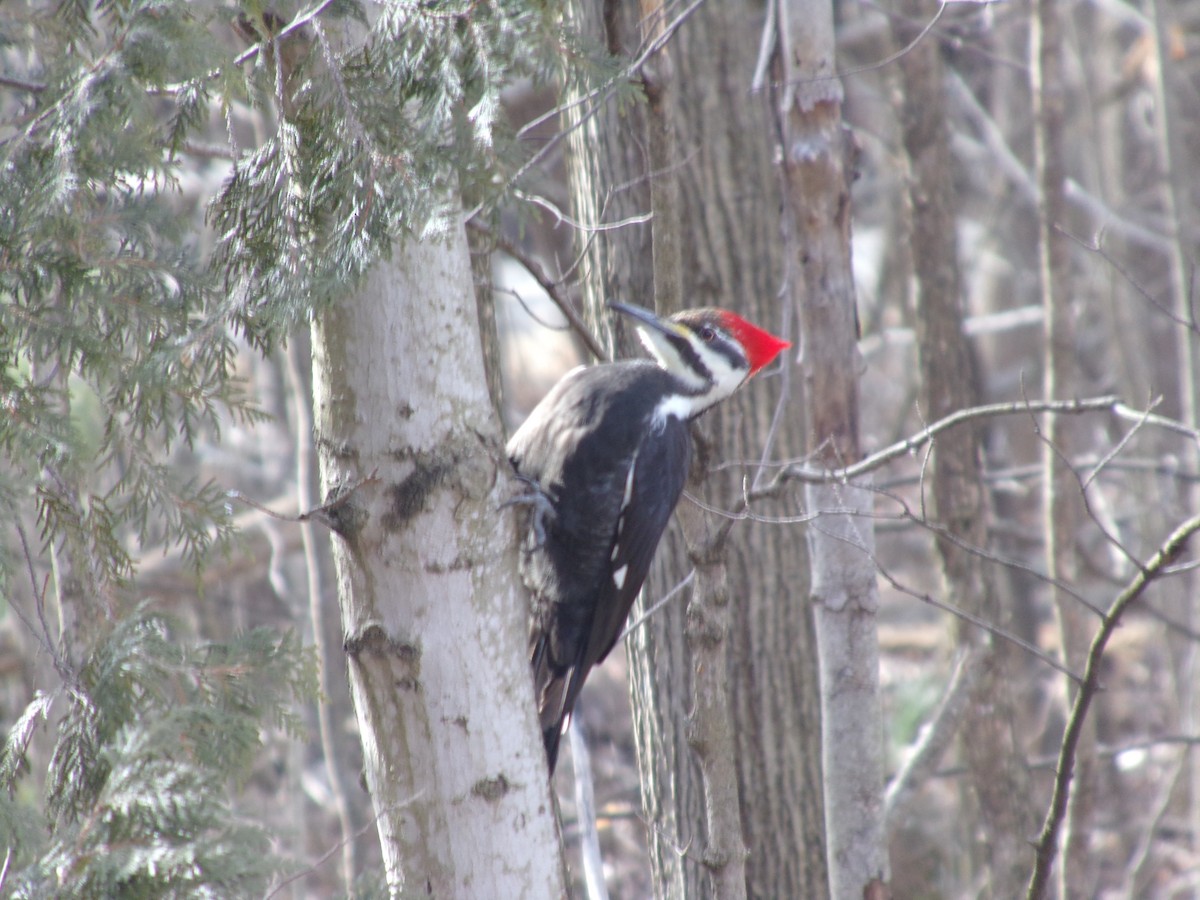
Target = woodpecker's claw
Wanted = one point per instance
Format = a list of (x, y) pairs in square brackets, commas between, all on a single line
[(541, 508)]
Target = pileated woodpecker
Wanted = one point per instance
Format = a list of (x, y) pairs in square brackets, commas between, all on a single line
[(605, 456)]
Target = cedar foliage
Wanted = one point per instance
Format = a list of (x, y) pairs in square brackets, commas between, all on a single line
[(123, 318), (150, 735)]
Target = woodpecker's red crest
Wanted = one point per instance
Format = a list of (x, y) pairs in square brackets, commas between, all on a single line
[(761, 346)]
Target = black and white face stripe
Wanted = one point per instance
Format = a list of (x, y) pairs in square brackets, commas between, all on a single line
[(712, 339), (708, 362)]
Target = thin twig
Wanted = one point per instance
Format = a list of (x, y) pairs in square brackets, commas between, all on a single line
[(1121, 411), (320, 860), (659, 604), (978, 622), (590, 228), (600, 95), (912, 443), (1136, 868), (1047, 843), (935, 736), (20, 84), (317, 513), (39, 595), (552, 287), (297, 23), (585, 806)]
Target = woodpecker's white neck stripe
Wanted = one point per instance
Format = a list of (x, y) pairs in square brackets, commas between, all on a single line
[(676, 406)]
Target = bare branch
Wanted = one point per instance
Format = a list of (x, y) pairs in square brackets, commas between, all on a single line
[(551, 207), (911, 444), (658, 604), (20, 84), (39, 597), (552, 287), (1047, 843), (1124, 412), (318, 862), (600, 95), (977, 622), (1020, 177), (316, 514), (1136, 869), (295, 25)]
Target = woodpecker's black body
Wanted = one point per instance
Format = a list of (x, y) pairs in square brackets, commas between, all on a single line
[(606, 455)]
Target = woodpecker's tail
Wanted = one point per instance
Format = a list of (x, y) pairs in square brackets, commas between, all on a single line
[(556, 690)]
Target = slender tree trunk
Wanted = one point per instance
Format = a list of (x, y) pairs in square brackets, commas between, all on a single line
[(817, 156), (994, 757), (608, 174), (435, 625), (710, 734), (741, 770), (1171, 125), (1063, 500), (733, 256)]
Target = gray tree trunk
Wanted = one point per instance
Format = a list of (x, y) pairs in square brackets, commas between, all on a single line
[(724, 677), (994, 757), (435, 624), (817, 156), (1063, 499)]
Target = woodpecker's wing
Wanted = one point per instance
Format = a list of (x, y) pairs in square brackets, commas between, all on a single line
[(656, 481), (653, 482), (611, 476)]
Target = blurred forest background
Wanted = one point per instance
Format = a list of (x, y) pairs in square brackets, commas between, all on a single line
[(157, 436)]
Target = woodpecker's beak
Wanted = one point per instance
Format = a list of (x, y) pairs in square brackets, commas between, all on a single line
[(645, 317)]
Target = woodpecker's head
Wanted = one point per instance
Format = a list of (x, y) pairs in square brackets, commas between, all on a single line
[(712, 351)]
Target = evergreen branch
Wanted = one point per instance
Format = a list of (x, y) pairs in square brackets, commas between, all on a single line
[(293, 26), (20, 84)]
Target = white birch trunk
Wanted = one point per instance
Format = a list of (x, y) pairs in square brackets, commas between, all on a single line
[(435, 624)]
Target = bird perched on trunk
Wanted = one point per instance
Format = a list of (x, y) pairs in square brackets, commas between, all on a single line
[(605, 456)]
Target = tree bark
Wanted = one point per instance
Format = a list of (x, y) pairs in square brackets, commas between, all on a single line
[(994, 757), (766, 659), (1063, 502), (722, 849), (742, 770), (435, 624), (817, 155)]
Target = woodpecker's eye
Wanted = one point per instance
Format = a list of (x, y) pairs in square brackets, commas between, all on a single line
[(707, 334)]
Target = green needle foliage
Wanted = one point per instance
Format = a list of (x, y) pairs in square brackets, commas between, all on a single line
[(151, 737), (148, 234)]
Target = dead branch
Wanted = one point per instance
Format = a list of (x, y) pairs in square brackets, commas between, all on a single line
[(911, 444), (552, 287), (1047, 843)]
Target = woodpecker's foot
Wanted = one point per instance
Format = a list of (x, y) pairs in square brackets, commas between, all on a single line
[(540, 505)]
